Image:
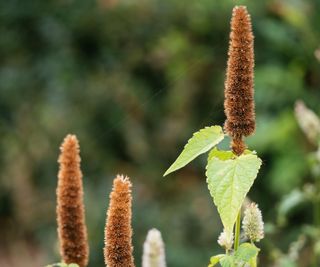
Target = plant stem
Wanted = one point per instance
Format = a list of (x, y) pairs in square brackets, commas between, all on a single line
[(237, 231), (317, 204), (316, 212), (316, 207)]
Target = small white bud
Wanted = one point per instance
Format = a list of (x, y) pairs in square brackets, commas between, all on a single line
[(225, 240), (153, 250), (252, 223)]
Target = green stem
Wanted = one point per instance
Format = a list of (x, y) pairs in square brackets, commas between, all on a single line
[(316, 212), (237, 231), (316, 207), (317, 204)]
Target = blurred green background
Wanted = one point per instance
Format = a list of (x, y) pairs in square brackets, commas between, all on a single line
[(133, 79)]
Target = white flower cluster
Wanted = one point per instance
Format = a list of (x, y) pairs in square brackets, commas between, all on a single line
[(225, 240), (153, 250), (252, 223)]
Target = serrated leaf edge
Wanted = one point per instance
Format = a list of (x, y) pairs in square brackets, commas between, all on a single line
[(232, 159)]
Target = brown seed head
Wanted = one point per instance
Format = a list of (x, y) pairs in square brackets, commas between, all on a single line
[(238, 146), (72, 230), (239, 99), (118, 232)]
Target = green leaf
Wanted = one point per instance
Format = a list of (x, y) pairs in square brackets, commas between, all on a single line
[(201, 142), (253, 262), (246, 252), (227, 261), (220, 154), (225, 155), (229, 180), (215, 259)]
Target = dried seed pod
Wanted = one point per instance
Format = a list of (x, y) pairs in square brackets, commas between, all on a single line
[(118, 232), (239, 94), (72, 230)]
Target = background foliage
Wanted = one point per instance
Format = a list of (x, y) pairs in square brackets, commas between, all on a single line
[(134, 79)]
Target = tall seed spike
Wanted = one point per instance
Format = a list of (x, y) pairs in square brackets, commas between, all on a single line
[(118, 232), (239, 93), (72, 229)]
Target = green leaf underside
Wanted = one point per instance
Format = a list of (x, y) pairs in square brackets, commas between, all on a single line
[(246, 252), (227, 261), (214, 260), (201, 142), (229, 180)]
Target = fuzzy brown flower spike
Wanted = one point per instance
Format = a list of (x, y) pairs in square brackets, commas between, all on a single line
[(239, 100), (118, 233), (70, 209)]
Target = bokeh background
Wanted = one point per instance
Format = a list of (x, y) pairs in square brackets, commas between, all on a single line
[(133, 80)]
